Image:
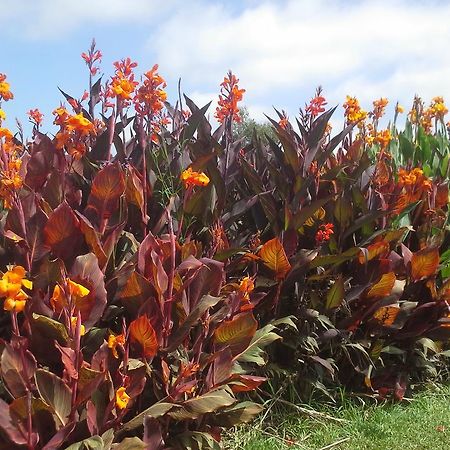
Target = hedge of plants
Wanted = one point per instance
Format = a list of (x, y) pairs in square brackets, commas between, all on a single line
[(157, 271)]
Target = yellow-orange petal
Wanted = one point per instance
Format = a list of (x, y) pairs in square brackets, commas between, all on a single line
[(122, 398)]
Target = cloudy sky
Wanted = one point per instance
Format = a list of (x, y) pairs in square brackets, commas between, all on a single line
[(280, 49)]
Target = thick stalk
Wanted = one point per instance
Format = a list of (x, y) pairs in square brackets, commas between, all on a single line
[(169, 299)]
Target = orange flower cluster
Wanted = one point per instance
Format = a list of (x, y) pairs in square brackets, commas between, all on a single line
[(92, 57), (149, 101), (379, 107), (35, 116), (353, 111), (425, 116), (191, 178), (246, 287), (75, 132), (381, 138), (438, 108), (115, 341), (11, 286), (316, 106), (324, 233), (413, 184), (150, 97), (76, 292), (5, 92), (230, 96), (123, 84), (10, 162)]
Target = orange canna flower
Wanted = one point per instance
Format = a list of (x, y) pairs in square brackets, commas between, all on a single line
[(76, 292), (150, 97), (316, 105), (230, 95), (247, 286), (73, 322), (123, 84), (378, 107), (122, 398), (80, 124), (191, 178), (353, 111), (114, 341), (11, 287), (5, 93), (35, 116)]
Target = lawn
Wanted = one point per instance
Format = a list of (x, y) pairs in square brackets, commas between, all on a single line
[(422, 423)]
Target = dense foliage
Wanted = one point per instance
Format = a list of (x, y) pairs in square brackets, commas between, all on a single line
[(149, 260)]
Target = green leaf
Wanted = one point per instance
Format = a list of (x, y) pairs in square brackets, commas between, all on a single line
[(254, 353), (157, 410), (203, 404), (133, 443), (237, 414), (336, 294), (194, 440), (55, 393), (92, 443), (51, 329)]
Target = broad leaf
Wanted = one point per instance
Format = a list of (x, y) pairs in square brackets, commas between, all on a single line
[(55, 393), (142, 332), (237, 332), (274, 257), (424, 263), (384, 287), (336, 294), (107, 188)]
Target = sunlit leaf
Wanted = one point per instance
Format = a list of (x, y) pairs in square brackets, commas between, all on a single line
[(237, 332), (336, 294), (274, 257), (380, 248), (384, 287), (62, 231), (107, 188), (424, 263), (142, 332)]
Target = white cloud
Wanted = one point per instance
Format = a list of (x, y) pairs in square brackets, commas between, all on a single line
[(282, 50), (42, 19)]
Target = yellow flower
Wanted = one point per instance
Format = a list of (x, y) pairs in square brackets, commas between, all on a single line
[(353, 111), (81, 124), (2, 115), (11, 287), (76, 291), (122, 398), (247, 286), (5, 93), (73, 322), (399, 109), (191, 178), (114, 341)]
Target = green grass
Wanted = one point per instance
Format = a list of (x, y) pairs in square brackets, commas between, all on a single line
[(421, 424)]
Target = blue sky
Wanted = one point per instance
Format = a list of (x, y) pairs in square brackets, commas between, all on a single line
[(280, 50)]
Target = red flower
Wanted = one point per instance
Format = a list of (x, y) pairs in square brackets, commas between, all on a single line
[(324, 233), (316, 105)]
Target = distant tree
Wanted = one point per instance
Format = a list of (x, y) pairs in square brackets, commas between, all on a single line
[(248, 127)]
